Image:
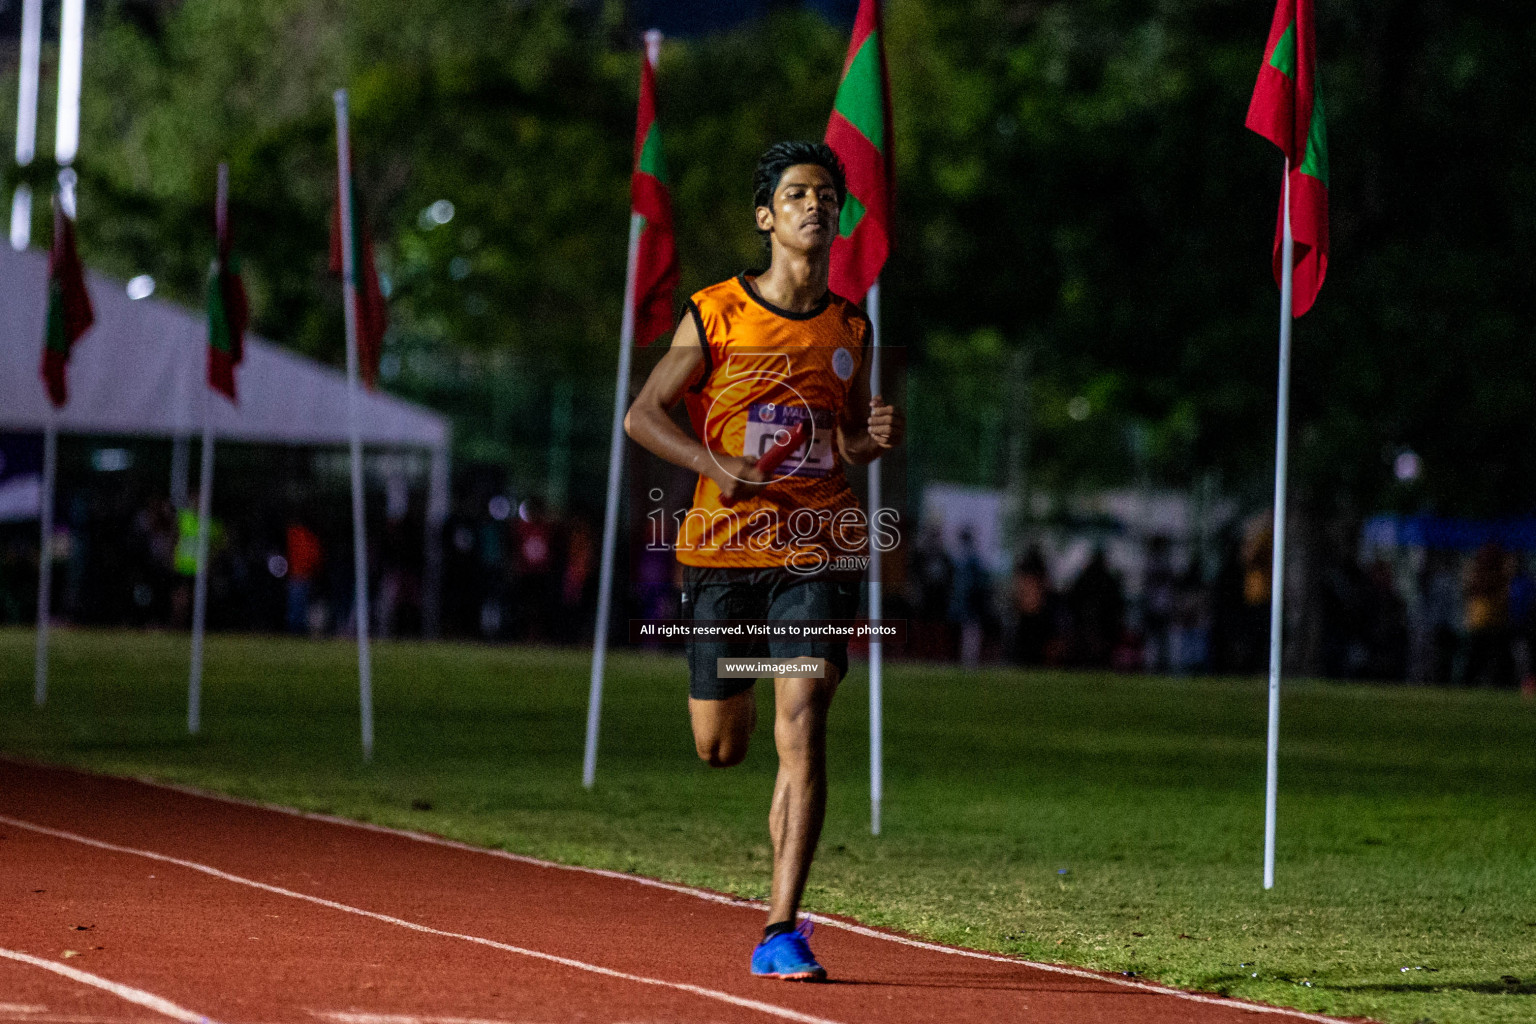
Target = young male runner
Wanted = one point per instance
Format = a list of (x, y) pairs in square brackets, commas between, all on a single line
[(754, 356)]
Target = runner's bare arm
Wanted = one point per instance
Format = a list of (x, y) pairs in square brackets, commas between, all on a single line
[(862, 439), (650, 423)]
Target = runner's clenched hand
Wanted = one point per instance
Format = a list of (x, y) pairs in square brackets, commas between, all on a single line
[(887, 424)]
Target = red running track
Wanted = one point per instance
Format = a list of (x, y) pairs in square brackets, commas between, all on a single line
[(124, 902)]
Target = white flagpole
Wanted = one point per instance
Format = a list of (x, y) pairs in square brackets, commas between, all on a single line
[(615, 476), (45, 555), (200, 587), (876, 604), (611, 507), (181, 458), (66, 144), (359, 525), (1277, 567), (204, 502), (26, 119)]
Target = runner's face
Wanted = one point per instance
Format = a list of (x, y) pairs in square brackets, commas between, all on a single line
[(804, 213)]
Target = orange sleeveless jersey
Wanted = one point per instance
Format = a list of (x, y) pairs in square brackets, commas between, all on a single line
[(766, 369)]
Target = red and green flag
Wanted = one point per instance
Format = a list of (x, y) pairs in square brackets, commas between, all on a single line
[(860, 133), (656, 264), (1287, 109), (228, 310), (69, 306), (371, 312)]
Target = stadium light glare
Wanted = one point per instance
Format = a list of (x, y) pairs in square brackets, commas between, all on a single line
[(141, 287)]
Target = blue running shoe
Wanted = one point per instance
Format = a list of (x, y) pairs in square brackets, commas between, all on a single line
[(787, 956)]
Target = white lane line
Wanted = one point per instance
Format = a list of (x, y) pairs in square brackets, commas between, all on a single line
[(708, 993), (341, 1017), (732, 901), (133, 995), (21, 1008)]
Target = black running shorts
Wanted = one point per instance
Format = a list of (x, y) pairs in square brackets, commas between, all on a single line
[(774, 594)]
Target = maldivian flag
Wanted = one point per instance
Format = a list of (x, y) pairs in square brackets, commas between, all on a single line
[(656, 265), (860, 133), (227, 307), (69, 305), (372, 314), (1287, 109)]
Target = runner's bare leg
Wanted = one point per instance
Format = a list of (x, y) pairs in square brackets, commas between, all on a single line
[(723, 728), (800, 794)]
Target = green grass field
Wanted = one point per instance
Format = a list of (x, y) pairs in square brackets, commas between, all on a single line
[(1113, 822)]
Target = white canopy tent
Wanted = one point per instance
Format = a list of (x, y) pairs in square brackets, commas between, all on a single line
[(141, 370)]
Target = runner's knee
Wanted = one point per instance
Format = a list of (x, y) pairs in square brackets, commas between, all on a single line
[(721, 751), (721, 728)]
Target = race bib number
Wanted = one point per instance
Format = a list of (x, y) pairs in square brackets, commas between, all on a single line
[(767, 422)]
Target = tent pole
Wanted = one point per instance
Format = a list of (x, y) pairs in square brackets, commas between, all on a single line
[(359, 523), (432, 565), (181, 468), (45, 555)]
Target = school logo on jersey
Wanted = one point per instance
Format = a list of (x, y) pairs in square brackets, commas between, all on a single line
[(842, 364)]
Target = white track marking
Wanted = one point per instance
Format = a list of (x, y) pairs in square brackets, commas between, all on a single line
[(20, 1008), (581, 965), (133, 995), (342, 1017), (715, 897), (347, 1017), (733, 901)]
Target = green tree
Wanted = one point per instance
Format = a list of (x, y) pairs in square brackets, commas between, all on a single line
[(1073, 180)]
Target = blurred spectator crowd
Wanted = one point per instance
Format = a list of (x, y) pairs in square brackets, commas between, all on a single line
[(512, 570), (122, 557), (1441, 616)]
